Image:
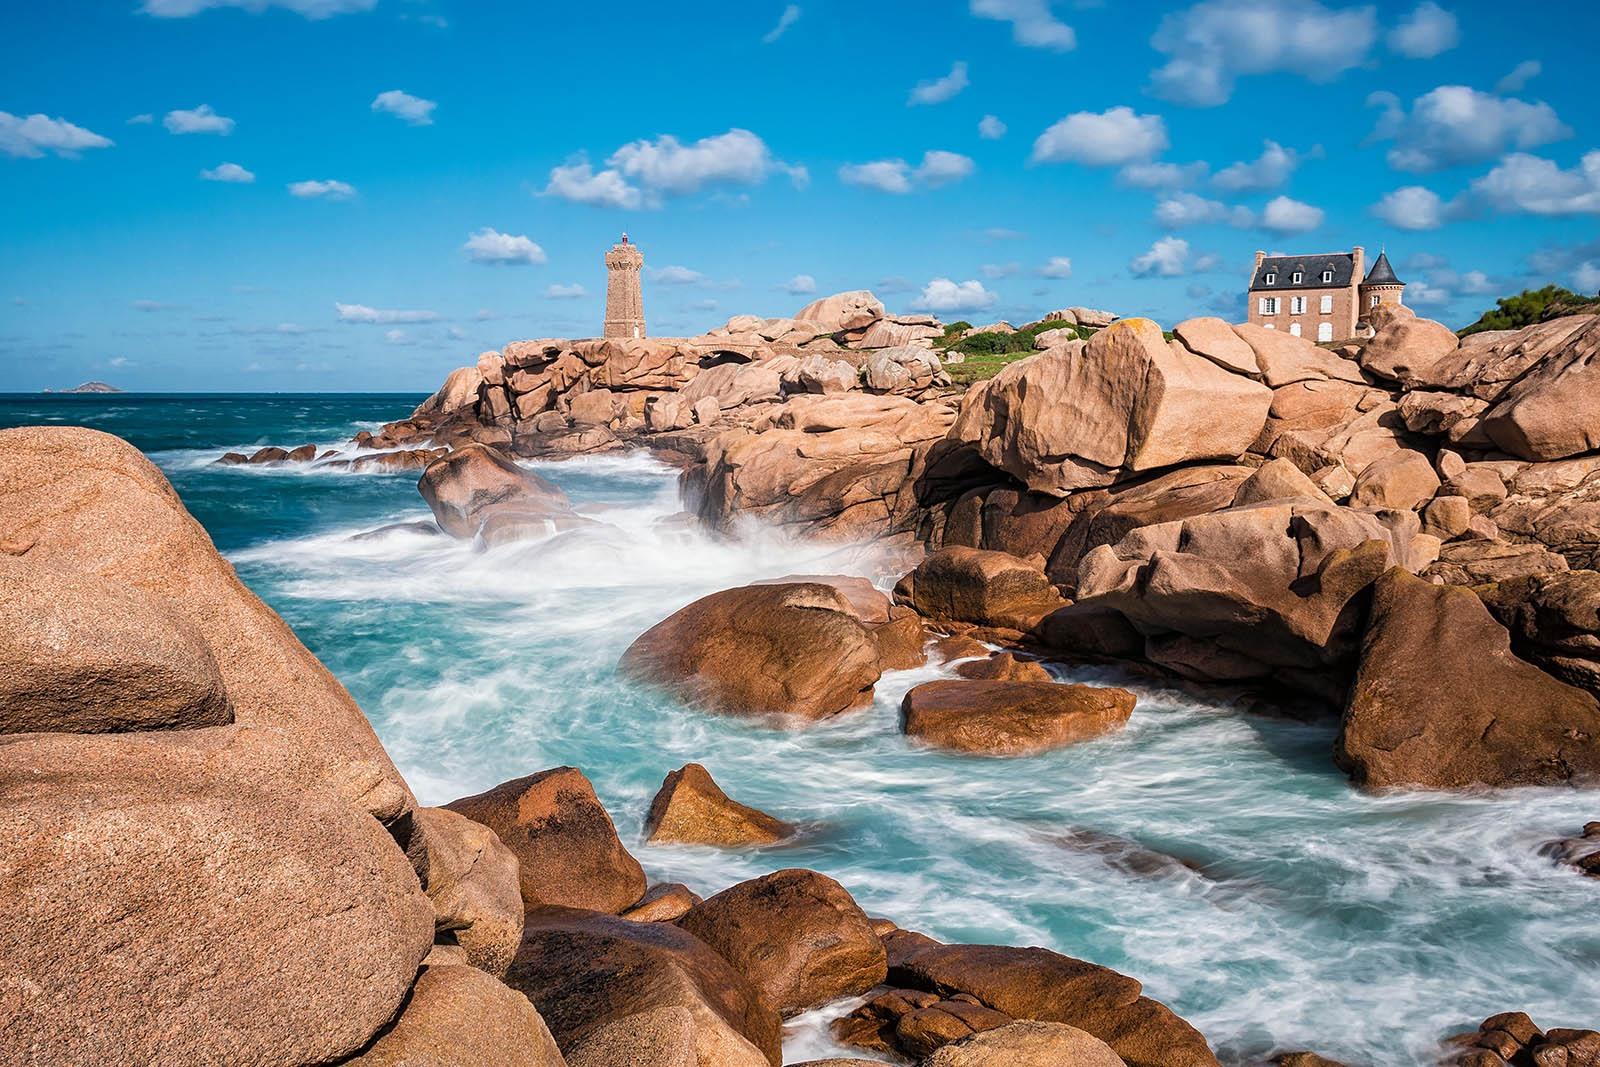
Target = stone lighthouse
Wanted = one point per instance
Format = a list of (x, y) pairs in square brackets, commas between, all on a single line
[(624, 304)]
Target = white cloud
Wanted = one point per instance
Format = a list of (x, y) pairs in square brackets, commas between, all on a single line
[(1189, 209), (642, 173), (944, 295), (489, 245), (31, 137), (141, 120), (942, 168), (1272, 168), (938, 90), (1519, 77), (228, 172), (993, 271), (1212, 44), (1425, 294), (1428, 31), (1032, 23), (1111, 138), (565, 292), (397, 337), (1284, 215), (374, 316), (990, 128), (937, 168), (790, 16), (676, 275), (1412, 208), (1162, 175), (202, 119), (1455, 124), (800, 285), (581, 184), (324, 190), (1531, 185), (1056, 267), (402, 105), (311, 9), (1167, 258), (1587, 277)]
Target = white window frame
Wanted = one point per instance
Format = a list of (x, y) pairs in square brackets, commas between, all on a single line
[(1297, 305), (1327, 305), (1376, 300), (1299, 277), (1272, 279), (1268, 305), (1294, 329), (1327, 277), (1324, 331)]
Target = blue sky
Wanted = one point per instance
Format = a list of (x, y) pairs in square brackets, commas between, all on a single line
[(361, 194)]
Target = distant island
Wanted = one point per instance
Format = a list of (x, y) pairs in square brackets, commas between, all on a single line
[(88, 387)]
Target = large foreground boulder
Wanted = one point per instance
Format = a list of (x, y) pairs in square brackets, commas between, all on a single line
[(1011, 718), (1553, 411), (476, 483), (583, 971), (796, 649), (460, 1017), (564, 841), (796, 935), (690, 808), (1440, 701)]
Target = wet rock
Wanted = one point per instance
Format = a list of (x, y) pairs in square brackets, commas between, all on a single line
[(666, 902), (232, 459), (1514, 1038), (1304, 1059), (474, 884), (902, 643), (1002, 718), (1034, 983), (85, 655), (585, 970), (795, 649), (1581, 853), (1003, 667), (270, 454), (1027, 1044), (1440, 701), (914, 1023), (1124, 855), (1554, 621), (475, 482), (979, 587), (691, 808), (460, 1017), (564, 841), (423, 528), (796, 935)]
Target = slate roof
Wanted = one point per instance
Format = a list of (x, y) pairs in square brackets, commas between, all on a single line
[(1381, 273), (1343, 265)]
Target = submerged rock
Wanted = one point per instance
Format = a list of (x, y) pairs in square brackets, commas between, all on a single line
[(1004, 718), (476, 483), (691, 808)]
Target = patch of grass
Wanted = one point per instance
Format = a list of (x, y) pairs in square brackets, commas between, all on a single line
[(981, 368)]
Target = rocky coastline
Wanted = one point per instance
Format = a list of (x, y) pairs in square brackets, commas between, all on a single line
[(216, 861)]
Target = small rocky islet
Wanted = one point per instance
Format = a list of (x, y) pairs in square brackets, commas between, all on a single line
[(220, 864)]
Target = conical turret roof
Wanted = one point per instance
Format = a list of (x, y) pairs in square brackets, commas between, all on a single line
[(1382, 273)]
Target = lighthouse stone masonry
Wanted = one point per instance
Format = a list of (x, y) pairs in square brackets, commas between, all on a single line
[(624, 303)]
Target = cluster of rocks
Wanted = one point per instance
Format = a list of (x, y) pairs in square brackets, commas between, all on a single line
[(1513, 1038), (384, 456)]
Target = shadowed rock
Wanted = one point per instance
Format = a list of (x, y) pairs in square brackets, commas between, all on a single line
[(475, 482)]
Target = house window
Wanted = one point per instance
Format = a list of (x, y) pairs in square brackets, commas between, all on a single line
[(1269, 305), (1327, 277), (1294, 329), (1272, 279), (1324, 331), (1297, 305), (1327, 305), (1299, 277), (1375, 300)]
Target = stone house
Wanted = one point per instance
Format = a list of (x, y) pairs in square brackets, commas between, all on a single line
[(1322, 297)]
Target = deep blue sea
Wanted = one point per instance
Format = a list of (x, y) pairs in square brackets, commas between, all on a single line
[(1314, 916)]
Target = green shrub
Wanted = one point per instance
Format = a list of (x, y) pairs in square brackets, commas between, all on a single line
[(1531, 306)]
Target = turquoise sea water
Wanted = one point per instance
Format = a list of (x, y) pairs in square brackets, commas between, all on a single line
[(1309, 915)]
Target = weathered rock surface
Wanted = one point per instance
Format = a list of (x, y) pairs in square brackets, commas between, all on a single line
[(659, 1037), (666, 902), (796, 935), (460, 1017), (1408, 348), (959, 584), (691, 808), (474, 884), (1027, 1044), (1006, 718), (1440, 701), (1553, 411), (584, 970), (854, 310), (1554, 620), (1513, 1038), (566, 846), (794, 649), (475, 483), (1403, 479)]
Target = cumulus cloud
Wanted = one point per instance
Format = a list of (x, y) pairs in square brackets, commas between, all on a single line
[(1214, 43), (402, 105), (1112, 138), (1272, 168), (643, 173), (228, 172), (938, 90), (1283, 215), (990, 128), (791, 15), (1412, 208), (1426, 32), (1162, 175), (676, 275), (1190, 209), (489, 245), (32, 137), (1167, 258), (319, 189), (944, 295), (1455, 124), (565, 292), (1056, 267), (203, 119), (1519, 77), (800, 285), (381, 316), (311, 9), (1033, 24), (937, 168), (1531, 185)]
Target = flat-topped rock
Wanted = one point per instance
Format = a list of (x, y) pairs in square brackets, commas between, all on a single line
[(1008, 718)]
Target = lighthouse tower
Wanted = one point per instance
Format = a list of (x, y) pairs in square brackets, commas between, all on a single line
[(624, 304)]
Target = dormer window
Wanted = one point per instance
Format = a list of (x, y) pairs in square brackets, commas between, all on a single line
[(1272, 279), (1327, 277), (1299, 277)]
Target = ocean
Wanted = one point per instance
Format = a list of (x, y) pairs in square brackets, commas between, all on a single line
[(1294, 912)]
